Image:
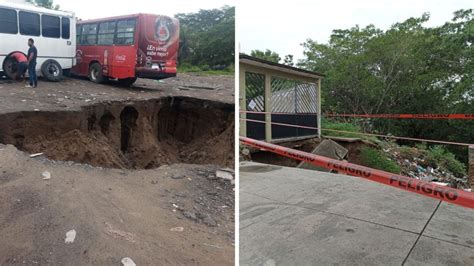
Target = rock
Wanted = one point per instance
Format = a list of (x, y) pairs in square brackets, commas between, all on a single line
[(211, 177), (190, 215), (209, 221), (245, 151), (177, 176), (177, 229), (180, 194), (224, 175)]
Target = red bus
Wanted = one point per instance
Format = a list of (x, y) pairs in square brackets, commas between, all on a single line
[(127, 47)]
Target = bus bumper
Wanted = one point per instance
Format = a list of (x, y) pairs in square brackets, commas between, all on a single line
[(148, 73)]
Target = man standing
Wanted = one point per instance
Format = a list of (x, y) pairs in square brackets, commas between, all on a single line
[(32, 54)]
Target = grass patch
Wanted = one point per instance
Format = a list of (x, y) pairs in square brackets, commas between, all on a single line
[(439, 156), (350, 127), (374, 158), (205, 70)]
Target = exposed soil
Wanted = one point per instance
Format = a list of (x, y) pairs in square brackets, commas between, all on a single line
[(133, 172), (354, 150), (116, 214), (143, 134)]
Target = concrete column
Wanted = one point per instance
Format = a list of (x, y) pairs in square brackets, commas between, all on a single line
[(470, 174), (242, 103), (319, 108), (268, 107)]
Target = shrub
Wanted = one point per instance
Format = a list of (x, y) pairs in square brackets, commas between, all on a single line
[(373, 158), (439, 156)]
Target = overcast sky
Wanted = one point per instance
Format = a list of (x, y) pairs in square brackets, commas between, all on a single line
[(89, 9), (282, 26)]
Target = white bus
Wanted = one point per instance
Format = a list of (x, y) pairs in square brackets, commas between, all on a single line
[(54, 33)]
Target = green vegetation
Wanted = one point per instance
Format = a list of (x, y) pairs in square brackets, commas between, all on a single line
[(438, 156), (374, 158), (44, 3), (409, 68), (205, 70), (272, 56), (207, 40)]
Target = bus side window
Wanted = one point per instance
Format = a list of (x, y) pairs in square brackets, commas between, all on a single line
[(89, 34), (65, 28), (78, 33), (50, 26), (8, 21), (125, 32), (29, 23), (106, 33)]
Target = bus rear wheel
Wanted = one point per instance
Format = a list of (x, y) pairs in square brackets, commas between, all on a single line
[(95, 73), (52, 70), (126, 82)]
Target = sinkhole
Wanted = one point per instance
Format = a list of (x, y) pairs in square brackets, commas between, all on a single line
[(134, 135)]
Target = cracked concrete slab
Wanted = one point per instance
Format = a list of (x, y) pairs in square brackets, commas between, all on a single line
[(431, 252), (291, 216), (341, 194)]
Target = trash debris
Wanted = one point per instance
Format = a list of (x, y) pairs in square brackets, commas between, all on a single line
[(36, 154), (177, 229), (128, 262), (70, 236), (118, 233), (46, 175), (440, 184)]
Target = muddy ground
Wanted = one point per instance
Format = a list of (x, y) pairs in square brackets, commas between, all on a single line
[(133, 172)]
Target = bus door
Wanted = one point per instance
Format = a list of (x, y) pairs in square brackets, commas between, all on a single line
[(123, 56)]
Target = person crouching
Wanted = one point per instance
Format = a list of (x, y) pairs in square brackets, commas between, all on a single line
[(22, 65)]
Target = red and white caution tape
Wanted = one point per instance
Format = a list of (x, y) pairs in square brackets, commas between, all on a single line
[(452, 195), (400, 116)]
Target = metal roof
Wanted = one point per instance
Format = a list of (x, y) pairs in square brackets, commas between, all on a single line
[(250, 60)]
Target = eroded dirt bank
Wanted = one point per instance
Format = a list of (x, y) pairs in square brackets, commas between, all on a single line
[(136, 135)]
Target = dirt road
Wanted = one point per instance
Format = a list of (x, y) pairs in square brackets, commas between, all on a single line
[(165, 208), (72, 93)]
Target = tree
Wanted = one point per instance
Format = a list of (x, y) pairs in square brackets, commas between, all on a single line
[(288, 60), (408, 68), (207, 37), (44, 3), (267, 55)]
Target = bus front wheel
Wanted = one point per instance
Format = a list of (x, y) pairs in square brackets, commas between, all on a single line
[(52, 70), (95, 73)]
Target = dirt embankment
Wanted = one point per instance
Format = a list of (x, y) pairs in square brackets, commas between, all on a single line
[(137, 135)]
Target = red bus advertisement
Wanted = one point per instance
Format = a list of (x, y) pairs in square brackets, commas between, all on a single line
[(127, 47)]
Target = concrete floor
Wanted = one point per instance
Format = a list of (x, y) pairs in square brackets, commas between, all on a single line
[(291, 216)]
